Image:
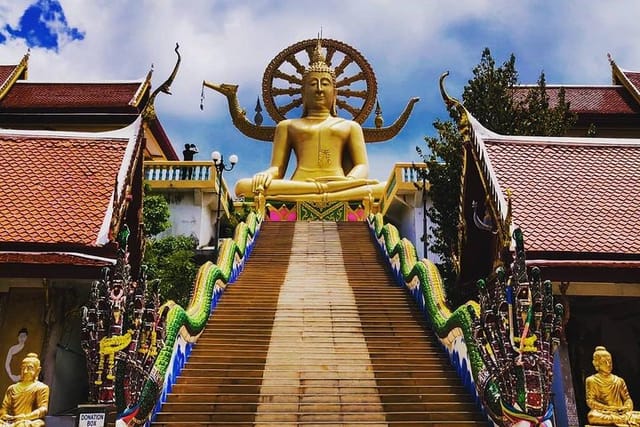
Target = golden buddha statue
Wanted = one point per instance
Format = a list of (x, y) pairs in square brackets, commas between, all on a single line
[(607, 395), (26, 402), (332, 162)]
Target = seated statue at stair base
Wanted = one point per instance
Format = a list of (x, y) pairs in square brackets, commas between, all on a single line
[(607, 395), (26, 402)]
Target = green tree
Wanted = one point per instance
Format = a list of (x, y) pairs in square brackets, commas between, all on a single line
[(493, 98), (155, 214), (171, 261), (444, 164)]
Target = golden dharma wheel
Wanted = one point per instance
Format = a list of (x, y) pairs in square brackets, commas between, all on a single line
[(356, 86)]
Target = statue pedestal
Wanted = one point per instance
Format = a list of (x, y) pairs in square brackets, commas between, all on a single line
[(276, 210)]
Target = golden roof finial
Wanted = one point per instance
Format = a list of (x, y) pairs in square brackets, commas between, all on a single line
[(149, 111)]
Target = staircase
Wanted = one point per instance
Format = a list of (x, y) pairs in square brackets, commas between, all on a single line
[(314, 332)]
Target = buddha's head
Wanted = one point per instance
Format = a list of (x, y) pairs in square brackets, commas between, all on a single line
[(318, 84), (30, 368), (602, 361)]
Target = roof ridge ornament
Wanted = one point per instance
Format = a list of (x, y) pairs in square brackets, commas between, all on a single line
[(20, 70), (457, 111), (613, 65), (619, 76), (149, 112)]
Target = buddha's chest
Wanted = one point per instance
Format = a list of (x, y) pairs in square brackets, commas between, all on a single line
[(318, 133), (318, 141)]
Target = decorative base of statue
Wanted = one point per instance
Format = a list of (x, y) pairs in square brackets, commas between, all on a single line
[(283, 210)]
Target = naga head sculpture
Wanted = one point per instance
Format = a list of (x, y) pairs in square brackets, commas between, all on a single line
[(517, 333)]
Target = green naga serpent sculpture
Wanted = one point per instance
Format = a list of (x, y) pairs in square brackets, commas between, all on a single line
[(178, 327), (503, 347)]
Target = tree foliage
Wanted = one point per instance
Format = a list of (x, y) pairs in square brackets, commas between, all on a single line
[(493, 99), (492, 96), (444, 164), (171, 261), (155, 214)]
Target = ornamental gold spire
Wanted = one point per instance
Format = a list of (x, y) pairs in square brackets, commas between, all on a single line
[(318, 62)]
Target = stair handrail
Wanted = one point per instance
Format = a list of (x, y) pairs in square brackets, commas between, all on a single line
[(423, 281), (184, 326)]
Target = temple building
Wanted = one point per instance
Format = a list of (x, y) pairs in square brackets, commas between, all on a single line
[(72, 156), (577, 202), (80, 106)]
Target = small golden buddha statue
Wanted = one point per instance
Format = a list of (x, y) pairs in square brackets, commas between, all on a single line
[(330, 151), (607, 395), (26, 402)]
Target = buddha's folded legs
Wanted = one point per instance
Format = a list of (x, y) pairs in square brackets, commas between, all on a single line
[(335, 190), (373, 191), (603, 418)]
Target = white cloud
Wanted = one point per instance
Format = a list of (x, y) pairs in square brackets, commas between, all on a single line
[(11, 12)]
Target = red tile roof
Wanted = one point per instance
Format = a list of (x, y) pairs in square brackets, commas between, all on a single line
[(57, 188), (591, 99), (5, 72), (53, 258), (569, 194), (71, 96)]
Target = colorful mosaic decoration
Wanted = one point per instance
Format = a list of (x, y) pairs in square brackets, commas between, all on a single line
[(309, 211), (282, 211), (315, 211)]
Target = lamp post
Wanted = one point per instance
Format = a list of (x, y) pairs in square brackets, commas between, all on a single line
[(425, 240), (220, 167), (422, 175)]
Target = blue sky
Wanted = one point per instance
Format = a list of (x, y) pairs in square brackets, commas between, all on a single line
[(408, 43)]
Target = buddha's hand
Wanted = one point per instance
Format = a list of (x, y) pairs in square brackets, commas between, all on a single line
[(260, 182)]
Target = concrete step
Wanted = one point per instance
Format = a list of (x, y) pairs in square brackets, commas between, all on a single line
[(317, 333)]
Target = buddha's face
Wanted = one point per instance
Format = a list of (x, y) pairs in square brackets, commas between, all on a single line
[(318, 91), (29, 370), (603, 363)]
